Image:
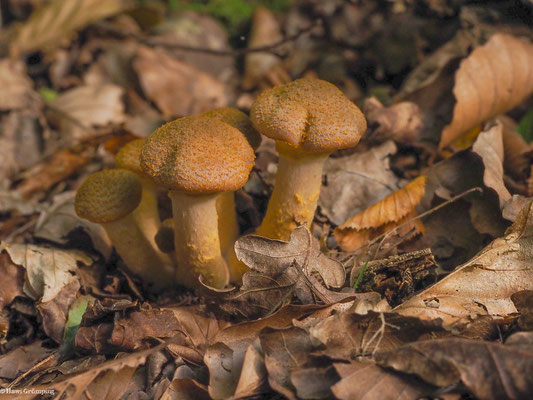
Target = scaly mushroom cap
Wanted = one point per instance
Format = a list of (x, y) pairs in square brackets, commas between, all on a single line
[(198, 155), (308, 114), (108, 196), (239, 120), (129, 156)]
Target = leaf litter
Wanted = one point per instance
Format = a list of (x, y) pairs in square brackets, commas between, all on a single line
[(433, 295)]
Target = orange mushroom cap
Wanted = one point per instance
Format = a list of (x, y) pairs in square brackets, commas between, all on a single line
[(239, 120), (129, 155), (198, 155), (108, 196), (309, 114)]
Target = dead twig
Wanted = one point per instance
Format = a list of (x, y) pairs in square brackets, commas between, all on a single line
[(110, 29)]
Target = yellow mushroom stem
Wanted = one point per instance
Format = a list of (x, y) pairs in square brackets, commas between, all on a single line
[(296, 191), (138, 253), (146, 214), (196, 241), (228, 227)]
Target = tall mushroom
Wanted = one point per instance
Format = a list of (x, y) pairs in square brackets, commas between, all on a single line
[(109, 198), (197, 158), (228, 227), (309, 119)]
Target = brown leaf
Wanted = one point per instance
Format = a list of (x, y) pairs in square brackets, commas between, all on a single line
[(58, 167), (278, 269), (185, 389), (349, 335), (390, 209), (135, 330), (242, 369), (48, 270), (177, 88), (265, 31), (109, 378), (17, 87), (523, 302), (493, 79), (78, 110), (22, 359), (314, 379), (11, 282), (489, 370), (393, 210), (57, 21), (489, 145), (54, 313), (284, 350), (484, 285), (367, 381), (355, 182), (402, 121)]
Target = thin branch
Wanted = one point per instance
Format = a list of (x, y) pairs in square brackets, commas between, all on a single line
[(110, 29)]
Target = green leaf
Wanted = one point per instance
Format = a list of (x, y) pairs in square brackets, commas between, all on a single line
[(360, 276), (48, 94), (525, 127), (75, 314)]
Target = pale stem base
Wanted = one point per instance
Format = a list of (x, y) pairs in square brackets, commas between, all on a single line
[(196, 241), (138, 253), (295, 196)]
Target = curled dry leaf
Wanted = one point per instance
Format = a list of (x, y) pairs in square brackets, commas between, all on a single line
[(280, 269), (402, 121), (388, 213), (489, 145), (484, 285), (367, 381), (354, 182), (264, 32), (177, 88), (48, 270), (82, 108), (489, 370), (22, 359), (493, 79), (57, 21)]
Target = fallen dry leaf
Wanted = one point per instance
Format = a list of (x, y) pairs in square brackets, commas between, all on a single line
[(489, 370), (177, 88), (59, 166), (240, 349), (284, 349), (280, 269), (17, 86), (515, 161), (489, 145), (389, 212), (110, 377), (192, 329), (22, 359), (484, 285), (48, 270), (367, 381), (57, 21), (185, 389), (487, 85), (357, 181), (402, 121), (265, 31), (370, 333), (54, 313), (82, 108), (314, 378)]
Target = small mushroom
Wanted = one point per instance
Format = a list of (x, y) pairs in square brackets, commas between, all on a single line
[(109, 198), (228, 227), (309, 119), (197, 158)]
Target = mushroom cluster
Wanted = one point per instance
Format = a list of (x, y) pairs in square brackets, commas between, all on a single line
[(201, 161)]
